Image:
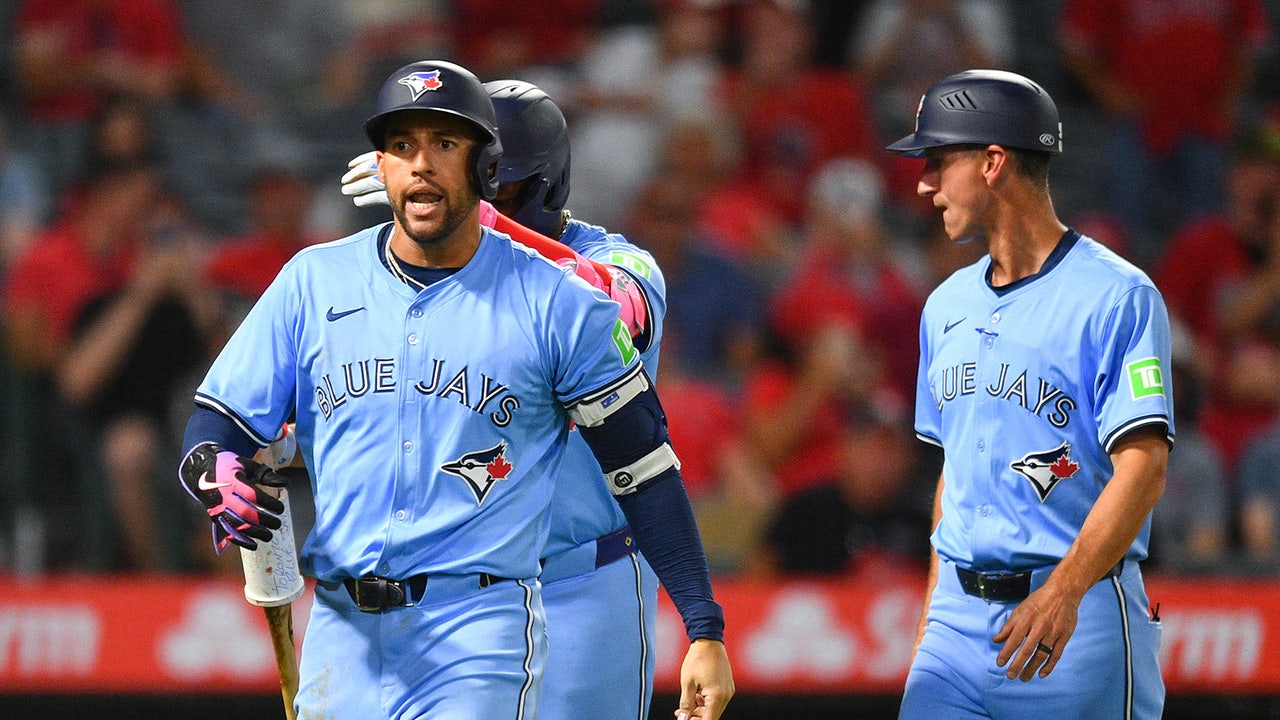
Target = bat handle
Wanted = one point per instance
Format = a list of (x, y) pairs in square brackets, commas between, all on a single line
[(280, 623)]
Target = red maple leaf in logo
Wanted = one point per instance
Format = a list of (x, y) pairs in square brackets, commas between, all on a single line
[(432, 82), (498, 468), (1063, 468)]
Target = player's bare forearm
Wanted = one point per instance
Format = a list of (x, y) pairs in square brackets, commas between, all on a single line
[(1037, 632), (1139, 459), (706, 681)]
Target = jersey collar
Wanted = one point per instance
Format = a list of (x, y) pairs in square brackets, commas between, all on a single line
[(1068, 241)]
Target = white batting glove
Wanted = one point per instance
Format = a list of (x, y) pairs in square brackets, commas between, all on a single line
[(362, 182)]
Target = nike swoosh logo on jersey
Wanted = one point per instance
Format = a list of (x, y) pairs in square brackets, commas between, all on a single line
[(204, 483), (331, 315), (951, 326)]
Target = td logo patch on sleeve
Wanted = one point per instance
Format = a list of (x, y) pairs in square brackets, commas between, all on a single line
[(622, 339), (1146, 379)]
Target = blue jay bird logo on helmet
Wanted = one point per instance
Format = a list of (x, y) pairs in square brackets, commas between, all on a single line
[(481, 469), (421, 82)]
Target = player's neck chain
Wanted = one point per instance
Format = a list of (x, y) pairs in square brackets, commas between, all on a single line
[(393, 264)]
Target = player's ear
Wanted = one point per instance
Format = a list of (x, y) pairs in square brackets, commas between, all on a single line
[(378, 159), (995, 164)]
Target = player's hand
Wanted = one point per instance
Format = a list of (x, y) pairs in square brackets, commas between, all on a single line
[(706, 682), (362, 182), (1036, 633), (230, 487)]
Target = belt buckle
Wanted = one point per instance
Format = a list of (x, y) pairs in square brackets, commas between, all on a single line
[(982, 586), (386, 594)]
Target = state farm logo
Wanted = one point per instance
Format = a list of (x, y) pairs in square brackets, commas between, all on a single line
[(219, 633), (825, 652), (49, 641), (1213, 644), (877, 647)]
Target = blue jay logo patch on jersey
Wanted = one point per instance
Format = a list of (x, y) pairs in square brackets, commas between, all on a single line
[(1047, 468), (481, 469), (420, 82)]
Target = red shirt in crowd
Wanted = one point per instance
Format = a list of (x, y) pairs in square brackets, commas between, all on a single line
[(147, 32), (816, 457), (876, 298), (1177, 55), (57, 277), (247, 265)]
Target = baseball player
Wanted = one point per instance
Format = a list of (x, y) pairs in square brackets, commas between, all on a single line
[(434, 367), (594, 583), (1043, 379)]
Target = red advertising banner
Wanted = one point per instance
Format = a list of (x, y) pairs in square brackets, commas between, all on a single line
[(115, 634)]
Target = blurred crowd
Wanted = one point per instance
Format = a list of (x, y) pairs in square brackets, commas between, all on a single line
[(160, 160)]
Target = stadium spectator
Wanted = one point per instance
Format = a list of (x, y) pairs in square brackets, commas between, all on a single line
[(792, 114), (714, 313), (638, 84), (848, 272), (70, 55), (1168, 139), (103, 312), (868, 519), (1233, 308), (24, 198), (1191, 524)]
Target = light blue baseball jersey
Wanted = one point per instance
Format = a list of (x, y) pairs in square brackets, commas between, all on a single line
[(585, 603), (583, 509), (433, 422), (1028, 389)]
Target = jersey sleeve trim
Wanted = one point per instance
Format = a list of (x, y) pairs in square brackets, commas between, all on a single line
[(1134, 424), (592, 409), (215, 405), (929, 439)]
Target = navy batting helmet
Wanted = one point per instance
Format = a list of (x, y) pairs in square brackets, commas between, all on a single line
[(984, 107), (536, 140), (447, 88)]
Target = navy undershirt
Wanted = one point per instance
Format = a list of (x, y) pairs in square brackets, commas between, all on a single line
[(424, 275)]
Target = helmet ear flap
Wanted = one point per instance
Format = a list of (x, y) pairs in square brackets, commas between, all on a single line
[(485, 169)]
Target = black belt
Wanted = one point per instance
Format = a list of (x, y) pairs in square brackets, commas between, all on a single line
[(614, 546), (374, 594), (1005, 586)]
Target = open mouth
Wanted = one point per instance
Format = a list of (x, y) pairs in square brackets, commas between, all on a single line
[(421, 202)]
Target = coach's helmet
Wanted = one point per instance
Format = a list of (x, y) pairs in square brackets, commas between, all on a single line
[(536, 141), (984, 107), (444, 87)]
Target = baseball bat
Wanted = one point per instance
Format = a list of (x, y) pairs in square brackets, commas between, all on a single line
[(280, 623), (273, 582)]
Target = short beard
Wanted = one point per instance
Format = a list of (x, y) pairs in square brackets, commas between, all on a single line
[(454, 216)]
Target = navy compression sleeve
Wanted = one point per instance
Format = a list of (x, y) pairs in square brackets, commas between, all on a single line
[(662, 520), (659, 511), (206, 425)]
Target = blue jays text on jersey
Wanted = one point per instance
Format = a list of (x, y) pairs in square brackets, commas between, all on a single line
[(1049, 401), (1028, 388), (429, 409), (357, 379)]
